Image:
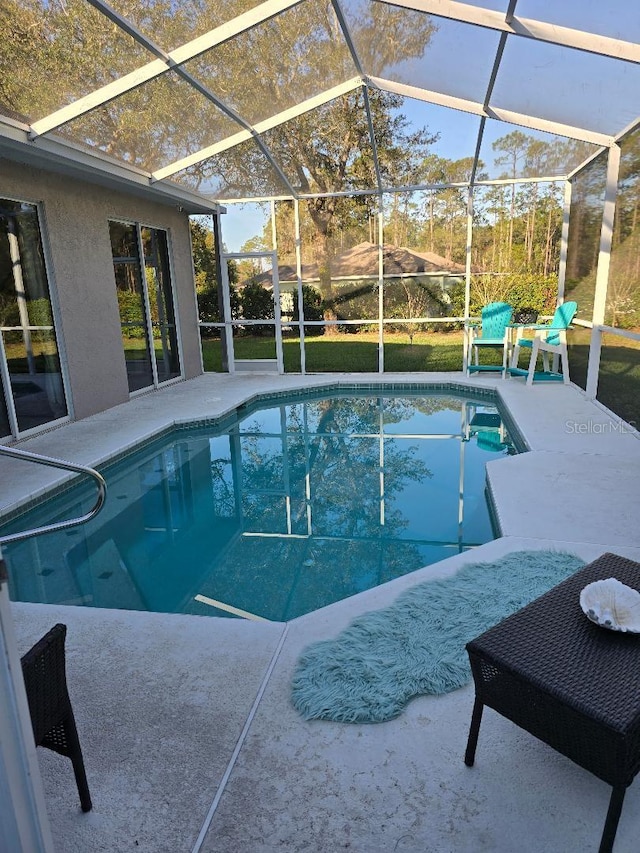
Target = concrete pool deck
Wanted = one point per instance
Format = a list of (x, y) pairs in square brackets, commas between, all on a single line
[(190, 740)]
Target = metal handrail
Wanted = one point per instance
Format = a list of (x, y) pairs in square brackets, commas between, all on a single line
[(65, 466)]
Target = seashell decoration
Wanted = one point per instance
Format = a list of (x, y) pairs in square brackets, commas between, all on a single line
[(612, 604)]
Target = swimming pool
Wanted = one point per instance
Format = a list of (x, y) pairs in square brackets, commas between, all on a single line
[(281, 508)]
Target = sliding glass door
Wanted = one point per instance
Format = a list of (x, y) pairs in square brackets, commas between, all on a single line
[(163, 321), (132, 304), (145, 299), (32, 390)]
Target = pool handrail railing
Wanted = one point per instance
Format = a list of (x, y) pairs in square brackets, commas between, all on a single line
[(28, 456)]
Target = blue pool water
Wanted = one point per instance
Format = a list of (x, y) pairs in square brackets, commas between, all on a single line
[(292, 506)]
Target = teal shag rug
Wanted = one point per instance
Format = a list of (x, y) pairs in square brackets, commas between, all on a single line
[(371, 670)]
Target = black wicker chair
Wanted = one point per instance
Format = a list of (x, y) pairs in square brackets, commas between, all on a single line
[(54, 726)]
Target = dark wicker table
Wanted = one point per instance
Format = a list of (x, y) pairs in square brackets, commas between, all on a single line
[(570, 683)]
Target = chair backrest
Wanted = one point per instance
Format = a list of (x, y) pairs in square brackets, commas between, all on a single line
[(496, 316), (45, 681), (562, 318)]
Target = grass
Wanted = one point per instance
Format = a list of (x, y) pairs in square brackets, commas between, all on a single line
[(357, 353)]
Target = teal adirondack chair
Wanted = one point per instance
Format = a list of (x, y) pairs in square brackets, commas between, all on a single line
[(491, 333), (549, 338)]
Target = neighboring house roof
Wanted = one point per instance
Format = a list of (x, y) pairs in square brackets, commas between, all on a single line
[(362, 260)]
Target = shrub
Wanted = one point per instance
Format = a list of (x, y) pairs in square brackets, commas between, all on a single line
[(311, 308), (521, 290), (257, 304)]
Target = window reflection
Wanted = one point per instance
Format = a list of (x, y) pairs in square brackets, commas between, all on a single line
[(163, 322), (147, 314), (133, 313)]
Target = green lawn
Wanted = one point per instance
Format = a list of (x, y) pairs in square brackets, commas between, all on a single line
[(357, 353)]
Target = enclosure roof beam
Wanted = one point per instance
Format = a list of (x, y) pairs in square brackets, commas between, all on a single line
[(337, 8), (374, 145), (187, 77), (490, 86), (203, 90), (159, 66), (489, 92), (619, 137), (586, 162), (367, 105), (494, 71), (634, 125), (475, 107), (485, 182), (511, 10), (476, 155), (526, 27), (260, 127)]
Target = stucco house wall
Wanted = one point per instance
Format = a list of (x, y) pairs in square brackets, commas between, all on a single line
[(75, 231)]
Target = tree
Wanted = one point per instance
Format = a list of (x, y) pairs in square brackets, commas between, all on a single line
[(328, 150), (204, 256), (331, 165), (514, 145)]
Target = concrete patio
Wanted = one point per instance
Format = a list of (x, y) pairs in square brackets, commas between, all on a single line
[(190, 739)]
